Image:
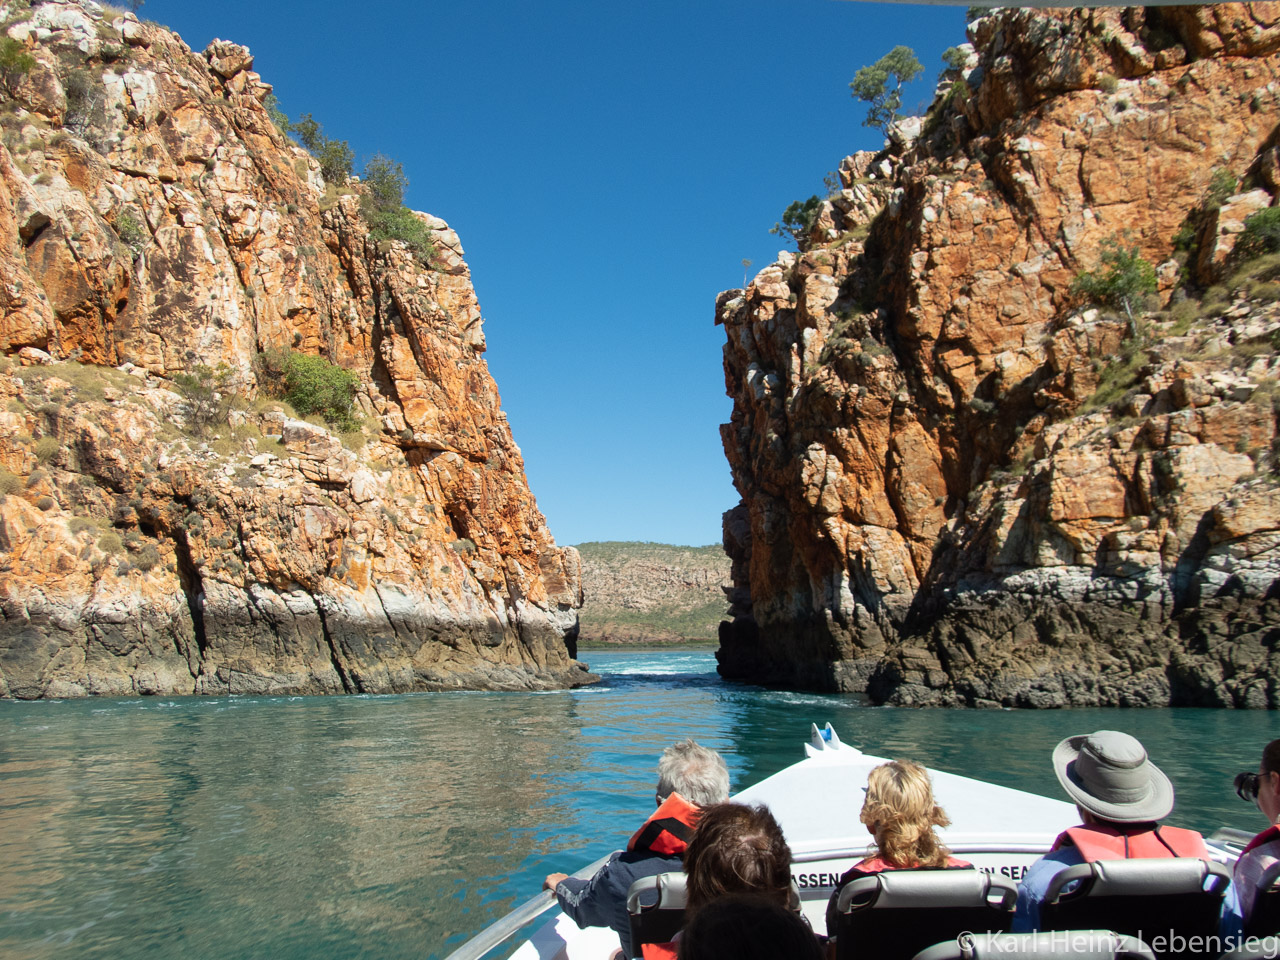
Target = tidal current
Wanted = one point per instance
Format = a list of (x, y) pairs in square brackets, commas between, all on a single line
[(397, 826)]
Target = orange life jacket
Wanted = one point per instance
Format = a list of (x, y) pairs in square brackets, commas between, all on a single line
[(667, 832), (1098, 842), (659, 951), (876, 865)]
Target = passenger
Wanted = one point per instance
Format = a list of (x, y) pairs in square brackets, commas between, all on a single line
[(1120, 795), (745, 926), (735, 849), (900, 813), (1262, 788), (689, 777)]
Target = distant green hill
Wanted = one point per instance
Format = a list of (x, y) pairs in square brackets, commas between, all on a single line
[(640, 592)]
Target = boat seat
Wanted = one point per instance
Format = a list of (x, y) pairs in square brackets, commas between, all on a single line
[(1264, 921), (1160, 900), (1073, 944), (895, 914), (655, 909)]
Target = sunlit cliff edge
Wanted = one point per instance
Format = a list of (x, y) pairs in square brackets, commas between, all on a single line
[(961, 484), (153, 219)]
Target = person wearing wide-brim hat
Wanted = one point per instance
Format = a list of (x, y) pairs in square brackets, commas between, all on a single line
[(1121, 795)]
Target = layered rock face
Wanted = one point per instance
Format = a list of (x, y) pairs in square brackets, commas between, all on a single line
[(958, 485), (153, 219)]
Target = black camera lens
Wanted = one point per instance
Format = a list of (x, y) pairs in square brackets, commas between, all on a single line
[(1247, 787)]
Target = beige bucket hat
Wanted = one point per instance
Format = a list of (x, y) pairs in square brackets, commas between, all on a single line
[(1109, 774)]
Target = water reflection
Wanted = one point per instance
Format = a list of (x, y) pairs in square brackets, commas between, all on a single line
[(234, 828)]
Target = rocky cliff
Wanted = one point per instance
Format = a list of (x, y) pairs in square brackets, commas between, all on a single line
[(961, 484), (154, 221), (652, 592)]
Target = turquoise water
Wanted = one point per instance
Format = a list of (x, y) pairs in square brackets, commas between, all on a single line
[(390, 827)]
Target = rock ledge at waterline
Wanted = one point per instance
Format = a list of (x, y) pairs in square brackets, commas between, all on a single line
[(154, 219), (958, 485)]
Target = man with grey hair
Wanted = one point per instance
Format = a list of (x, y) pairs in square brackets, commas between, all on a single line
[(689, 777)]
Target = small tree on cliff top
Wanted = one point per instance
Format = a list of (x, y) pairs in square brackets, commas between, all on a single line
[(881, 86), (335, 156), (382, 205), (797, 219)]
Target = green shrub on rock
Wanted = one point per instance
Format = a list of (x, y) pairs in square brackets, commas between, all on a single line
[(208, 395), (1123, 280), (382, 206), (312, 386), (1262, 232), (335, 156), (47, 448), (146, 558), (15, 62), (131, 232), (79, 525)]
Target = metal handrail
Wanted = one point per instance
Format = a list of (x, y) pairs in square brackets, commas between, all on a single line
[(838, 853), (501, 930)]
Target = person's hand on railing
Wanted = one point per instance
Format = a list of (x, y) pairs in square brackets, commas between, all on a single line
[(553, 879)]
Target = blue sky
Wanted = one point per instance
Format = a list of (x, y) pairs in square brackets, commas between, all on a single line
[(608, 166)]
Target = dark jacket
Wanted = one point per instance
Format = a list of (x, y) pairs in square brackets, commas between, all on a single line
[(657, 847), (602, 900)]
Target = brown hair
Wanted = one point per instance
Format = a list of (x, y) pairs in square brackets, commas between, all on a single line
[(736, 849), (1271, 757), (900, 812)]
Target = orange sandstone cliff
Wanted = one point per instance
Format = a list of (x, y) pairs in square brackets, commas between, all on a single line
[(153, 219), (962, 485)]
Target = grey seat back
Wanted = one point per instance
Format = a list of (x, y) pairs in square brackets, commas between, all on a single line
[(1071, 944), (1264, 920), (655, 909), (1169, 902), (897, 913)]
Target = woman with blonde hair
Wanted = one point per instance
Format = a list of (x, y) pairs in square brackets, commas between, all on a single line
[(900, 813)]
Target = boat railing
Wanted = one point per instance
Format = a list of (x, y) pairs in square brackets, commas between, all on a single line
[(502, 930), (843, 853), (1230, 836)]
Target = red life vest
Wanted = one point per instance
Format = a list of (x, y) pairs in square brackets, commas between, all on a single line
[(659, 951), (1266, 836), (876, 865), (1099, 842), (667, 832)]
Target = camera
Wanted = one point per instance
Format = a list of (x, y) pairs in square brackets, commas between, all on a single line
[(1247, 787)]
